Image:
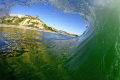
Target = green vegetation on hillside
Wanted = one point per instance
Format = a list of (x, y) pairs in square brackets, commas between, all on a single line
[(30, 21), (49, 28), (9, 21), (16, 21)]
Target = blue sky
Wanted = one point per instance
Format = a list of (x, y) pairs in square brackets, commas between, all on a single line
[(54, 17)]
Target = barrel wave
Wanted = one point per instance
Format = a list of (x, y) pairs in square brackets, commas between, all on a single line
[(27, 54)]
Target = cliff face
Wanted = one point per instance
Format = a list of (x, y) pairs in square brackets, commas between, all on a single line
[(29, 21)]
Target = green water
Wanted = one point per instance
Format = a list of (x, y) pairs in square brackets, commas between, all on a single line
[(23, 58), (32, 55), (95, 55), (98, 56)]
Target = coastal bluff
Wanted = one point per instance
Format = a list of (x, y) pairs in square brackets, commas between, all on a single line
[(30, 21)]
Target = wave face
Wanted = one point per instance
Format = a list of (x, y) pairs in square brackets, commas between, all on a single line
[(95, 56)]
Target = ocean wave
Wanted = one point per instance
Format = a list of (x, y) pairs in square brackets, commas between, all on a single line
[(96, 55)]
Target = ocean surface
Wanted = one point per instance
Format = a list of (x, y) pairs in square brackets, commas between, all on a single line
[(27, 54)]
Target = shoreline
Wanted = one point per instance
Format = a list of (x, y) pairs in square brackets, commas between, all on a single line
[(17, 26)]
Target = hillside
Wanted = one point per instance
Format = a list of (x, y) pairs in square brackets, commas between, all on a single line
[(29, 21)]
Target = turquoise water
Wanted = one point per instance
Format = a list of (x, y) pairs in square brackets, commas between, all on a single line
[(33, 55)]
